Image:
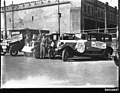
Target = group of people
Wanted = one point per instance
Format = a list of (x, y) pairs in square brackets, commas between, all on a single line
[(43, 43)]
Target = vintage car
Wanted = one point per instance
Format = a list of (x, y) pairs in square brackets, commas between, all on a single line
[(91, 44), (66, 36), (15, 42)]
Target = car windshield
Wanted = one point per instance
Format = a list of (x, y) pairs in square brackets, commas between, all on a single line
[(67, 37)]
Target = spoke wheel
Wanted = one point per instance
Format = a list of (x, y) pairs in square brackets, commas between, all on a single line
[(107, 54), (13, 50)]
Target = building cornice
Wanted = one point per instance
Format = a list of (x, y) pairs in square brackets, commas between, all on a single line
[(31, 5)]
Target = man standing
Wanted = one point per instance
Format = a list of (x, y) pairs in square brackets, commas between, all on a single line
[(42, 47)]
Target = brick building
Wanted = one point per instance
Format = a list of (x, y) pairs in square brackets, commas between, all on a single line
[(76, 15), (93, 15)]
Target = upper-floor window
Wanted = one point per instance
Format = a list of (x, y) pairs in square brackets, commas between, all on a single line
[(111, 16), (32, 18), (92, 10), (85, 8), (108, 15), (88, 9), (102, 14), (98, 13), (9, 20)]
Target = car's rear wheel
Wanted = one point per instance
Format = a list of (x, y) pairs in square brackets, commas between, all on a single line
[(65, 55), (107, 54), (13, 50)]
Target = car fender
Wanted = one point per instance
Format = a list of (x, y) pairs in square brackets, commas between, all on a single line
[(62, 47)]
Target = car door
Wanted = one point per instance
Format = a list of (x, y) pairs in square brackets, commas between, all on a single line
[(93, 43)]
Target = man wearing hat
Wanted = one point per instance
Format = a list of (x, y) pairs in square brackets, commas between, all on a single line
[(42, 46)]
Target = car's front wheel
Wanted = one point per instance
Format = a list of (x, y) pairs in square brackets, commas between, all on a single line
[(13, 50), (65, 55)]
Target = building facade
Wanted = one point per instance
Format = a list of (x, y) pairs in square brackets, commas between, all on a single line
[(76, 15), (94, 13)]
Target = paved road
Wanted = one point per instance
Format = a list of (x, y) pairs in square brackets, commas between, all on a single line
[(28, 72)]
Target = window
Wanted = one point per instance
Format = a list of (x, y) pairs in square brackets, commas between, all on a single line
[(32, 18), (108, 15), (108, 38), (9, 20), (85, 8), (88, 9), (111, 17), (92, 10), (102, 15), (20, 20), (98, 13), (92, 37)]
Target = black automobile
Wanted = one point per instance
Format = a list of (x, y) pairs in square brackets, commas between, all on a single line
[(16, 42), (94, 44)]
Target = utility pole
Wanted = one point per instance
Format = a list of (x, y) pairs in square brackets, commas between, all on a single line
[(5, 22), (59, 16), (119, 29), (106, 17), (96, 14), (12, 15)]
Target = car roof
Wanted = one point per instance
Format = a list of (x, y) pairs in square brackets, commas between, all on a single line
[(48, 34), (23, 29), (99, 33)]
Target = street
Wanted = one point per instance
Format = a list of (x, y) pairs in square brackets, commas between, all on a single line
[(28, 72)]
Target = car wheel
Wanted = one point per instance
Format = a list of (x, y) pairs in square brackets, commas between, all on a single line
[(107, 54), (65, 55), (116, 61), (51, 54), (13, 50)]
